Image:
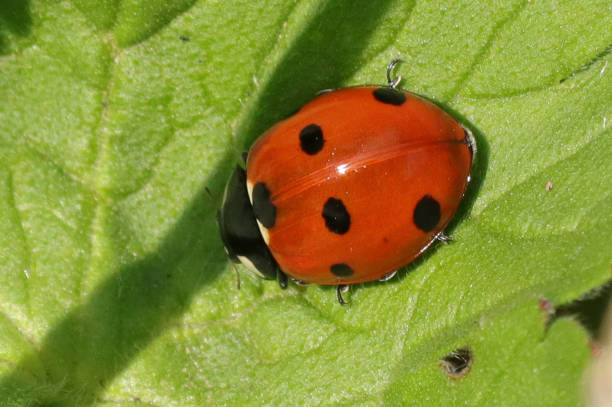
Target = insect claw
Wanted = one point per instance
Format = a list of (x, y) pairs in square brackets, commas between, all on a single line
[(342, 288)]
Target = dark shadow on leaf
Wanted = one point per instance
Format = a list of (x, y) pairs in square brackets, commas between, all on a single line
[(125, 313), (15, 19), (590, 310), (477, 177)]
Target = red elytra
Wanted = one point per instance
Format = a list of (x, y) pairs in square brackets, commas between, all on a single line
[(357, 183)]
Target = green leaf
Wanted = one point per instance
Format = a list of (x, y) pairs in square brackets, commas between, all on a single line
[(116, 116)]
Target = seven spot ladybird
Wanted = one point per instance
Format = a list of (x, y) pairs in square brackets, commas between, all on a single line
[(357, 183)]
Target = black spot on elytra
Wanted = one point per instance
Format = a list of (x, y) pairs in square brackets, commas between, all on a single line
[(341, 270), (427, 214), (311, 139), (263, 208), (337, 218), (390, 96)]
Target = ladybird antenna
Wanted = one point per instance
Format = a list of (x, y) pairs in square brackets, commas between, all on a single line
[(393, 82), (443, 237), (237, 275), (341, 288)]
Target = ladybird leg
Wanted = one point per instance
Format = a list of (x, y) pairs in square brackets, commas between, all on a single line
[(393, 82), (388, 276), (470, 140), (341, 288), (237, 275), (281, 278), (443, 237), (244, 156), (323, 91)]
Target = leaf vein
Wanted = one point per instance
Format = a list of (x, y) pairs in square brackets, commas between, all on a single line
[(22, 232), (63, 170), (27, 338)]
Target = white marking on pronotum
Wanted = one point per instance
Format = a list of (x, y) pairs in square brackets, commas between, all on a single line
[(264, 232), (247, 262), (250, 191)]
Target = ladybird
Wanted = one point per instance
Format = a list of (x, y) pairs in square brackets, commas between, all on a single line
[(356, 184)]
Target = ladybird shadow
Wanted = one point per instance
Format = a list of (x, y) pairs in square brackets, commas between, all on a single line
[(404, 271), (480, 166)]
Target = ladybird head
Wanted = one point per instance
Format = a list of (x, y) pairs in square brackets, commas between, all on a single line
[(239, 231)]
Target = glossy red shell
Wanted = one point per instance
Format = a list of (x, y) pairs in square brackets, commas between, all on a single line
[(380, 160)]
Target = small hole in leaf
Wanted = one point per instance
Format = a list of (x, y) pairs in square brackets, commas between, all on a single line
[(458, 363)]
